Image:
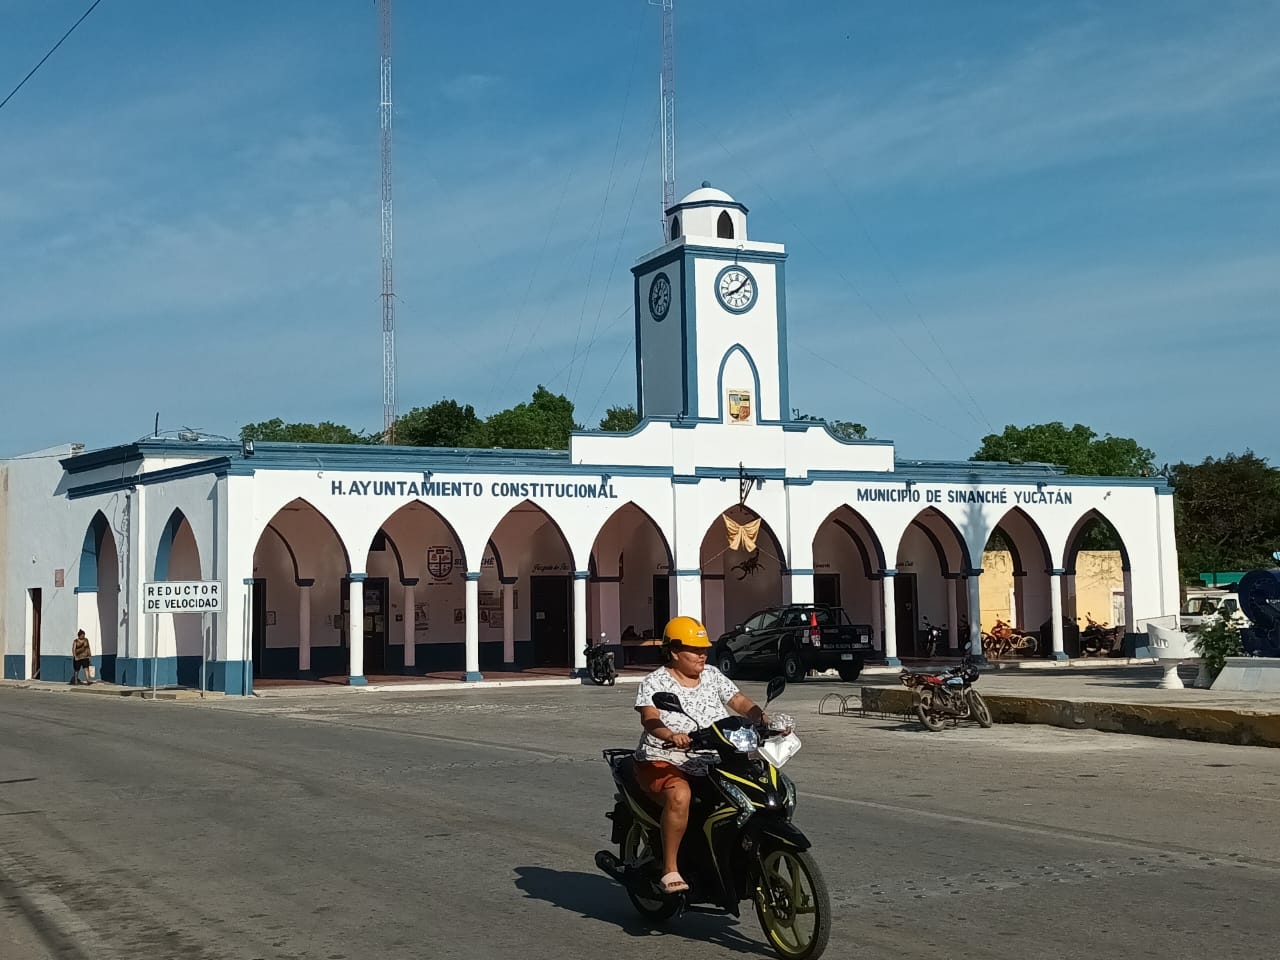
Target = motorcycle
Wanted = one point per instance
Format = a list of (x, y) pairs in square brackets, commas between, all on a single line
[(740, 844), (1095, 639), (600, 665), (949, 695), (933, 639)]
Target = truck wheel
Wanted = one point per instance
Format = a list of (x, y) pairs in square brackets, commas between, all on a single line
[(727, 665), (793, 668), (850, 672)]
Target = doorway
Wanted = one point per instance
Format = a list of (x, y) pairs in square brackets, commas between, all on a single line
[(549, 630), (36, 606), (258, 625), (907, 615), (661, 603), (375, 625), (826, 589)]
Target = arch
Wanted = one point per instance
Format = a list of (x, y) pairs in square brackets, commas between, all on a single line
[(168, 537), (97, 531), (724, 226), (919, 521), (647, 517), (1010, 536), (1073, 545), (675, 228), (381, 536), (293, 557), (632, 571), (302, 504), (872, 566), (732, 588), (178, 635), (755, 378)]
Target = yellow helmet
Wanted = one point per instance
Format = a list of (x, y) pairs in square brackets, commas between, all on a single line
[(686, 631)]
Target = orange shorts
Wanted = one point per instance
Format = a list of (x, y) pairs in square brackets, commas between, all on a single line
[(654, 776)]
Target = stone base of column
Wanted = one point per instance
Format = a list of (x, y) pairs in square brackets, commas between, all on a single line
[(1060, 656), (473, 676), (892, 662), (357, 681)]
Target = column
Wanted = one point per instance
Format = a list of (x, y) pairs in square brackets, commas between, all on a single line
[(953, 615), (801, 586), (975, 616), (410, 624), (877, 615), (578, 654), (508, 620), (1055, 613), (473, 674), (890, 608), (689, 594), (304, 625), (1128, 601), (355, 631)]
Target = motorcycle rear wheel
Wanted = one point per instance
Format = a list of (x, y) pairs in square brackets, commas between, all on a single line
[(924, 711), (636, 847), (800, 925), (978, 708)]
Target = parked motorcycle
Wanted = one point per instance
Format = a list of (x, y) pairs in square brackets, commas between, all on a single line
[(949, 695), (600, 666), (934, 641), (740, 845), (1097, 638)]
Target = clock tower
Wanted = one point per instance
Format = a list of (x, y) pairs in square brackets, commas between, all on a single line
[(711, 319)]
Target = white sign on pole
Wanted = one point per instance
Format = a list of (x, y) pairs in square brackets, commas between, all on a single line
[(182, 596)]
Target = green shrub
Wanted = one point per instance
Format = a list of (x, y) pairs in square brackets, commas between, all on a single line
[(1218, 640)]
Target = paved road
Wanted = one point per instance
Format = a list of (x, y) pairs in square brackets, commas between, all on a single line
[(462, 825)]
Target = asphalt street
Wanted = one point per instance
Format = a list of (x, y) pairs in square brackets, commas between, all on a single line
[(463, 824)]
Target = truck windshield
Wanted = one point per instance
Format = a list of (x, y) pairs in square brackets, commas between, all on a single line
[(1199, 606)]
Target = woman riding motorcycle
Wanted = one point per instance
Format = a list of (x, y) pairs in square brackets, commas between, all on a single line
[(663, 761)]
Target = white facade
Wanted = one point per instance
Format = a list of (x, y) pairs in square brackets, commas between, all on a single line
[(346, 560)]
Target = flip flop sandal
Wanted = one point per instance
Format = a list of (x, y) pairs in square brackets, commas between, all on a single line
[(673, 883)]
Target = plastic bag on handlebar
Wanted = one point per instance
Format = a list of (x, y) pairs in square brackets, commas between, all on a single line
[(780, 722)]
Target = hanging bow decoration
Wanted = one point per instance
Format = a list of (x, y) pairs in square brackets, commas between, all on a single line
[(742, 536)]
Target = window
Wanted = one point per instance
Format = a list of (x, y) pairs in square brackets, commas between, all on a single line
[(675, 227), (762, 621), (724, 226)]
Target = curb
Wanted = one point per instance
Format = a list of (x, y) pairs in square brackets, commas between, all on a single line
[(1245, 728), (103, 689), (431, 686)]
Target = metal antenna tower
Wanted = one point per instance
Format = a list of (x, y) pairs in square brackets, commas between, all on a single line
[(668, 107), (388, 292)]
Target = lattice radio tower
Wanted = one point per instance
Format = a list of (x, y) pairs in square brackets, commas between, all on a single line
[(388, 291), (668, 107)]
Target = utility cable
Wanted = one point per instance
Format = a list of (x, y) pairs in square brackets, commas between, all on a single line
[(49, 54)]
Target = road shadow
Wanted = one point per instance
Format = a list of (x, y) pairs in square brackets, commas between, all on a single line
[(597, 897)]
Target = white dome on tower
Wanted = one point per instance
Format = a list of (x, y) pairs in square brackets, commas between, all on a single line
[(707, 212)]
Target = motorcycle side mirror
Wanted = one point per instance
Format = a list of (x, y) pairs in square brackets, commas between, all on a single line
[(665, 700), (774, 690)]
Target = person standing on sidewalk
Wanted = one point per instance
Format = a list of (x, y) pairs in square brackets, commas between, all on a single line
[(80, 659)]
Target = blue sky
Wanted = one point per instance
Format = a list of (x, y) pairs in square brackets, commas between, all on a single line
[(996, 213)]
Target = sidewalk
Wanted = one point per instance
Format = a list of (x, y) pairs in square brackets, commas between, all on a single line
[(102, 688), (1116, 697)]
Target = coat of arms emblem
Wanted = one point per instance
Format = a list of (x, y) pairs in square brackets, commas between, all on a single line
[(440, 562)]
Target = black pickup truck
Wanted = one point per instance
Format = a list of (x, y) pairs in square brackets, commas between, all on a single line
[(792, 640)]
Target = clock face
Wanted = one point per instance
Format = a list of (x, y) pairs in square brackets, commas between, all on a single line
[(660, 297), (736, 289)]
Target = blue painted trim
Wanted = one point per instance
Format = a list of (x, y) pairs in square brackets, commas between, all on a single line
[(305, 582), (970, 572), (473, 676), (803, 572), (1059, 655), (727, 473), (509, 580), (357, 681), (217, 466), (733, 254), (888, 573), (653, 285), (755, 284), (357, 577), (249, 581), (409, 581), (1057, 572), (670, 252), (581, 574), (698, 204), (80, 590), (689, 572), (892, 662), (682, 479), (784, 364), (473, 575), (15, 666), (713, 576), (720, 388), (689, 338), (1164, 491), (688, 423), (137, 671), (797, 482)]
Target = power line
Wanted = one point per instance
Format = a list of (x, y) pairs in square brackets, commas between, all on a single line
[(49, 54)]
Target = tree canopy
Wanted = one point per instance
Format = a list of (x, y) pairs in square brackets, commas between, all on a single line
[(276, 430), (1077, 449), (844, 429), (1226, 513), (446, 423), (620, 419)]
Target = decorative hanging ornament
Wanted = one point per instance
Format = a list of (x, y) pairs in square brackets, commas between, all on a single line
[(742, 536)]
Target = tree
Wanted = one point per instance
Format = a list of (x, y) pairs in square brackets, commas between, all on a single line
[(844, 429), (620, 419), (544, 423), (1226, 513), (276, 430), (445, 423), (1077, 449)]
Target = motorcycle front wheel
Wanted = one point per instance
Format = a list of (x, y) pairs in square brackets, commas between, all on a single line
[(599, 673), (978, 708), (636, 848), (924, 711), (793, 905)]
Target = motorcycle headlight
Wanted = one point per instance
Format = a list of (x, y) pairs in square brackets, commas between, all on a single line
[(746, 809)]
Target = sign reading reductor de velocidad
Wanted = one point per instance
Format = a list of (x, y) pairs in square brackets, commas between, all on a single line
[(182, 596)]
